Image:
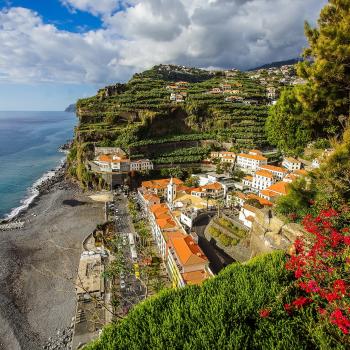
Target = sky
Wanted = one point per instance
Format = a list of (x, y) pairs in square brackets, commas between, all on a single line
[(53, 52)]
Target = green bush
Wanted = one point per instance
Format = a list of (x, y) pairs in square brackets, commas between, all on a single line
[(221, 314)]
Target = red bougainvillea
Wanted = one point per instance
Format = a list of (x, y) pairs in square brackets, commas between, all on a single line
[(321, 264)]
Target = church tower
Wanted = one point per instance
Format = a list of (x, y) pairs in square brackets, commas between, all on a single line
[(171, 191)]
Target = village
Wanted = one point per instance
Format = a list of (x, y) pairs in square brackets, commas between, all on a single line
[(183, 230)]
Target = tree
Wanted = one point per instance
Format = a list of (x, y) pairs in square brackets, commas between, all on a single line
[(321, 107), (192, 181), (327, 70), (285, 126)]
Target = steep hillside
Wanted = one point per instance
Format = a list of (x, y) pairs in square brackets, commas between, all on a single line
[(139, 114), (222, 314)]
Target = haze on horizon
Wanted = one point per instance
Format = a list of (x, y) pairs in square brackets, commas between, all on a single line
[(55, 51)]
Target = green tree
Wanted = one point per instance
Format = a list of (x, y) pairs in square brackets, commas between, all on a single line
[(327, 70), (285, 126)]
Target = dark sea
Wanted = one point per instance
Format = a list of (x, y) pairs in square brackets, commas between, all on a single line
[(29, 143)]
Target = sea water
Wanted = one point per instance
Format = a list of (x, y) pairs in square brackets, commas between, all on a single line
[(29, 153)]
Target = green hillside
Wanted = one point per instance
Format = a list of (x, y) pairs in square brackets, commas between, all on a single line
[(140, 117), (222, 314)]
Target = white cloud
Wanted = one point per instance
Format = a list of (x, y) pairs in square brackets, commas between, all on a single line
[(96, 7), (220, 33)]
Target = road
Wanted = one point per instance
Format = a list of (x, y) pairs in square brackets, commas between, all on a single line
[(132, 292), (218, 259)]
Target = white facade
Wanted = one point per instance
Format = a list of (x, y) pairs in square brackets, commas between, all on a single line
[(247, 215), (250, 161), (262, 180), (291, 164), (277, 172), (141, 165)]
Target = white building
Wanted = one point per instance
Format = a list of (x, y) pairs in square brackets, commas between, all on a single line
[(251, 161), (277, 171), (141, 165), (262, 179), (247, 215), (291, 163)]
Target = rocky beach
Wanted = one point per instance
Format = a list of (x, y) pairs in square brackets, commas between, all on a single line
[(38, 266)]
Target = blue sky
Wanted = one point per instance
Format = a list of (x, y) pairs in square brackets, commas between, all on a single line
[(54, 51)]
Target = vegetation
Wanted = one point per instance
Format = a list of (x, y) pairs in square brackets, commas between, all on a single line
[(223, 313), (319, 108)]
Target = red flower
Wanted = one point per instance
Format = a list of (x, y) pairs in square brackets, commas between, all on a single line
[(264, 313), (340, 320), (300, 302), (347, 240), (331, 296), (322, 311), (340, 286), (298, 272), (288, 308)]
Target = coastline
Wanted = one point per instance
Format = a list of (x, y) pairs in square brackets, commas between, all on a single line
[(38, 263), (39, 187)]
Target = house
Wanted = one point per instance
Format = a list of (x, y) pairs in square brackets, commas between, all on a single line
[(234, 99), (262, 179), (158, 187), (177, 97), (291, 163), (251, 161), (150, 199), (182, 84), (238, 199), (141, 165), (277, 171), (278, 189), (248, 181), (316, 163), (225, 87), (224, 156), (247, 215), (186, 262), (171, 87), (215, 91), (211, 190)]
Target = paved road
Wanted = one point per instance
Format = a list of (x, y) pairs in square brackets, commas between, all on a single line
[(133, 292), (218, 259)]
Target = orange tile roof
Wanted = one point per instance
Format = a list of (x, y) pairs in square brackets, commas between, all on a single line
[(195, 277), (262, 201), (255, 151), (158, 209), (240, 195), (292, 160), (268, 193), (251, 156), (172, 234), (273, 168), (248, 177), (104, 158), (151, 197), (264, 173), (213, 186), (279, 188), (250, 218), (188, 251), (160, 184), (166, 223)]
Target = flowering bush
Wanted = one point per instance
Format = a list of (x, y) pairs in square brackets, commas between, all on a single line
[(320, 264)]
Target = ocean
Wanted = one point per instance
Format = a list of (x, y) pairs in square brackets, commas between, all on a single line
[(29, 143)]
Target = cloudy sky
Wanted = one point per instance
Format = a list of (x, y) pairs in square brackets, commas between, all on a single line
[(54, 51)]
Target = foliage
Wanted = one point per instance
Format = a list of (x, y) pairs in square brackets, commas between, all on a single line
[(285, 124), (324, 187), (326, 95), (192, 181), (320, 264), (224, 313)]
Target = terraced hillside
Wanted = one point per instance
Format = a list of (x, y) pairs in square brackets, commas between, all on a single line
[(140, 117)]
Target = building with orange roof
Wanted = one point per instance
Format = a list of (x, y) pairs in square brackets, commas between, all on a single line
[(224, 156), (186, 261), (150, 199), (251, 161), (262, 179), (212, 190), (247, 215), (277, 171), (158, 187), (291, 163), (248, 181), (276, 190)]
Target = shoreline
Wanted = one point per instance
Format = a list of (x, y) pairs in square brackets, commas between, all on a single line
[(38, 263), (38, 188)]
